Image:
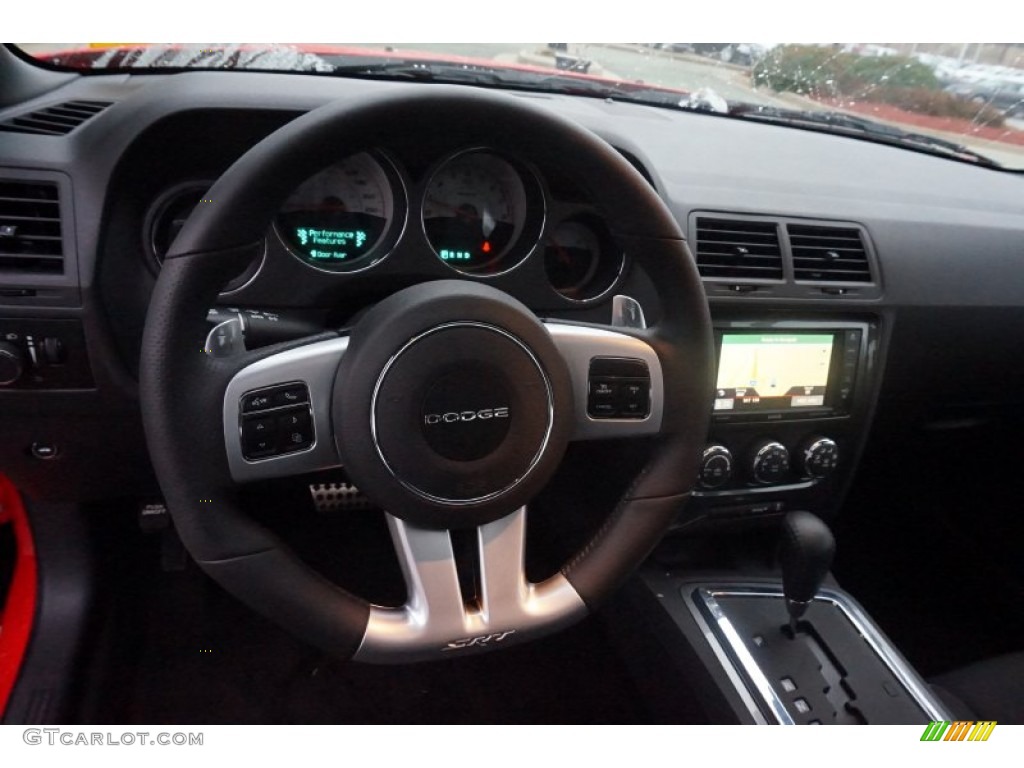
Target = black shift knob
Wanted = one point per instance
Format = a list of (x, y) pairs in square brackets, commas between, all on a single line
[(806, 556)]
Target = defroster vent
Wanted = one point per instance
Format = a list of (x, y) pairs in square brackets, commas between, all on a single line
[(58, 120)]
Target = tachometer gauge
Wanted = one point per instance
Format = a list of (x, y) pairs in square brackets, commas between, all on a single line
[(337, 219), (477, 213)]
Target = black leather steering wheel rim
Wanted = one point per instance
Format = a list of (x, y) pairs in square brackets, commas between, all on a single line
[(182, 387)]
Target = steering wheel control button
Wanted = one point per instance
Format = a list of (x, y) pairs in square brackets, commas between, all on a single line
[(260, 401), (291, 395), (276, 420), (771, 463), (294, 430), (603, 401), (259, 437), (274, 397), (635, 400), (618, 388), (716, 467)]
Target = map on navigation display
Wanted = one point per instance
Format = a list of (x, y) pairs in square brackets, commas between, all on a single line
[(773, 371)]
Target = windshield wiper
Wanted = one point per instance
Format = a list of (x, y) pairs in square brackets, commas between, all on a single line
[(483, 74), (852, 125)]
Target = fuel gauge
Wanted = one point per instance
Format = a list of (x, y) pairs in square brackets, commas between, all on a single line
[(581, 260)]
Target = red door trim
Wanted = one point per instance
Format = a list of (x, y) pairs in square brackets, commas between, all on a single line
[(18, 612)]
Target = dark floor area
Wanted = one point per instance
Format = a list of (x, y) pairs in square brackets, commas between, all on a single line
[(172, 647), (930, 540)]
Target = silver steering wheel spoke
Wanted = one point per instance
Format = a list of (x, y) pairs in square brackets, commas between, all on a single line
[(277, 413), (617, 382), (439, 621)]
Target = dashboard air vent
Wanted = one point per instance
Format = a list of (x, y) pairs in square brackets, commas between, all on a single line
[(738, 249), (828, 254), (30, 232), (58, 120)]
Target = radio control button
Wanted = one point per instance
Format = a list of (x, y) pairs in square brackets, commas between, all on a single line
[(294, 430), (259, 437)]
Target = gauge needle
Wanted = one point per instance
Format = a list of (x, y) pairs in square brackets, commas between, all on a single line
[(488, 223)]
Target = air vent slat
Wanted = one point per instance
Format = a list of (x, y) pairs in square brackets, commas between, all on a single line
[(824, 254), (47, 118), (719, 236), (56, 120), (738, 249), (49, 261), (31, 238)]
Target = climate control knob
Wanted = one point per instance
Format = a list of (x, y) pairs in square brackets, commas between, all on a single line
[(716, 467), (819, 457), (12, 363), (771, 462)]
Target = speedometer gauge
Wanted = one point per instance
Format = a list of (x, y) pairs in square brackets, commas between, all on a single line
[(477, 212), (337, 219)]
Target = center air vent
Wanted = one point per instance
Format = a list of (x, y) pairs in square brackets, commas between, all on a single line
[(30, 231), (58, 120), (828, 254), (738, 249)]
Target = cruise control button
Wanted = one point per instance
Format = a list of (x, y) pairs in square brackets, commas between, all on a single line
[(259, 437), (602, 409), (634, 401), (634, 389), (600, 388)]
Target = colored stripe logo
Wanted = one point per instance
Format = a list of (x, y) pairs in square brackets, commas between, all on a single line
[(959, 730)]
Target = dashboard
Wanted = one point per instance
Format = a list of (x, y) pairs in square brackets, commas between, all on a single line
[(871, 284)]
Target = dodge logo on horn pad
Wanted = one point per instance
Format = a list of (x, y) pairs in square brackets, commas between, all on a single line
[(453, 417)]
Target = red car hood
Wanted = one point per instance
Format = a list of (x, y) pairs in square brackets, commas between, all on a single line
[(306, 57)]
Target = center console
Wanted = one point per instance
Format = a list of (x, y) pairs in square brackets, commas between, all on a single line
[(791, 409), (729, 639), (740, 602)]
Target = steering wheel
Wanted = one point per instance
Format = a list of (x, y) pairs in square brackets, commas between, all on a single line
[(449, 403)]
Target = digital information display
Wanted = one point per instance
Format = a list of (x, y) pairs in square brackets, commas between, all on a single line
[(773, 371), (332, 244)]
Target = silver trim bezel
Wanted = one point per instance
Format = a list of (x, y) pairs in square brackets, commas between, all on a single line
[(533, 462), (578, 345), (736, 652), (520, 167), (438, 621), (314, 365), (393, 230)]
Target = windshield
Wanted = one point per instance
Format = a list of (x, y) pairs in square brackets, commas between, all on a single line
[(961, 100)]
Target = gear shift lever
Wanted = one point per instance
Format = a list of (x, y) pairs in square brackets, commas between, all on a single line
[(806, 556)]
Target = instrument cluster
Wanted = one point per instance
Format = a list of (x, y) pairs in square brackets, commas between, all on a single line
[(481, 212)]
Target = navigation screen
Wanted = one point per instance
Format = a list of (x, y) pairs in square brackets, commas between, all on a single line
[(773, 371)]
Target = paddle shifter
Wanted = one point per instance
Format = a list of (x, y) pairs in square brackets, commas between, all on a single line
[(806, 556)]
